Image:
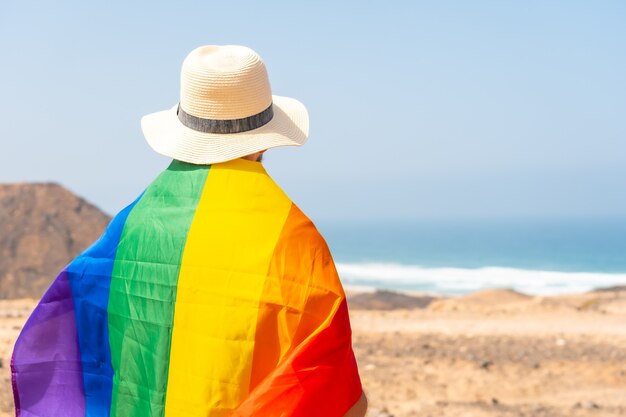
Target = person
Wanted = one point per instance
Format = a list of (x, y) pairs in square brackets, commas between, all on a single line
[(212, 294)]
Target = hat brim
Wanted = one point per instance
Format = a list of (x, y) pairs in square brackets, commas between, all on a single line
[(169, 137)]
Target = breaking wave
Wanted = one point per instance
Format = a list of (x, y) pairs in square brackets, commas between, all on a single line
[(464, 280)]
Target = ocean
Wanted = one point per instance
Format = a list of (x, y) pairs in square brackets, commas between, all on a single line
[(539, 257)]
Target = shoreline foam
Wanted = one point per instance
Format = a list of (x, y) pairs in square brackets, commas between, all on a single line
[(459, 281)]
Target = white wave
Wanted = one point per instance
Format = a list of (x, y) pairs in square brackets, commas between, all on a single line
[(463, 280)]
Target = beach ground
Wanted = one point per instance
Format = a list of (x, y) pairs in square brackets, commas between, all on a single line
[(490, 353)]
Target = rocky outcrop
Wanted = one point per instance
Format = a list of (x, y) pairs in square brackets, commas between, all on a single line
[(43, 226)]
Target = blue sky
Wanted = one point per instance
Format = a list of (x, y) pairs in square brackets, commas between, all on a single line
[(419, 110)]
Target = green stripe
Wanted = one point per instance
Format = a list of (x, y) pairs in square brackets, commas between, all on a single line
[(143, 289)]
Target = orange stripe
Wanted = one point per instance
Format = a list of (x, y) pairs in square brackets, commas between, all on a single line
[(302, 322), (318, 378), (291, 289)]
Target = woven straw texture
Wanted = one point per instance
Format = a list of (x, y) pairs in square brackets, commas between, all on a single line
[(225, 83)]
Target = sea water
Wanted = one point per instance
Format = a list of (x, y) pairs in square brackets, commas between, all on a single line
[(539, 257)]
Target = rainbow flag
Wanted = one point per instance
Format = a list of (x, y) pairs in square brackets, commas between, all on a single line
[(211, 295)]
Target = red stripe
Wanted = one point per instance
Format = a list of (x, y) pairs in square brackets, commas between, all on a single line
[(319, 378)]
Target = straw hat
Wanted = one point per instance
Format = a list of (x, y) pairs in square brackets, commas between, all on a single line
[(226, 110)]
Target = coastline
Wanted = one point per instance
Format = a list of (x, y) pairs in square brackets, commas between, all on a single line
[(455, 280), (489, 353)]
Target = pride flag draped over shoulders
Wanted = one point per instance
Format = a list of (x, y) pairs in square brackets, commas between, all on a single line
[(211, 295)]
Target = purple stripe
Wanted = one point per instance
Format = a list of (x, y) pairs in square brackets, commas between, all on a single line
[(16, 397), (46, 368)]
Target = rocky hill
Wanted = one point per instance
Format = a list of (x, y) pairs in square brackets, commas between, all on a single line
[(42, 227)]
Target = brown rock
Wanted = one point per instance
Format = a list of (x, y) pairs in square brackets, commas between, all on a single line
[(387, 300), (42, 227)]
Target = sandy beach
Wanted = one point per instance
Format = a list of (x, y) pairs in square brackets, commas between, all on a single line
[(490, 353)]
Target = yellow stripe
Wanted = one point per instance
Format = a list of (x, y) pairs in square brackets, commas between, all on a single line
[(224, 267)]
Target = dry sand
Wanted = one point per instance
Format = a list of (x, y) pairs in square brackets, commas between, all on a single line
[(491, 353), (495, 353)]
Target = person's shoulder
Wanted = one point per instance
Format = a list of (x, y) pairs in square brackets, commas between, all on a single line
[(304, 254), (300, 228)]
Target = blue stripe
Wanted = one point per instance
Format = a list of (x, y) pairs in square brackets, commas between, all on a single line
[(90, 279)]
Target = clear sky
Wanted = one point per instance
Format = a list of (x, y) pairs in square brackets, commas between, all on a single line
[(419, 109)]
